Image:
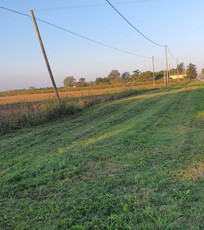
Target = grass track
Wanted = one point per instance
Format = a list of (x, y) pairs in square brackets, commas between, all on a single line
[(133, 163)]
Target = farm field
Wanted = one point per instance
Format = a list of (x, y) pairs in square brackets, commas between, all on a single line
[(27, 108), (37, 97), (131, 163)]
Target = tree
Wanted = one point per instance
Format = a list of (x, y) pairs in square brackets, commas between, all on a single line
[(202, 71), (125, 75), (81, 79), (191, 71), (159, 75), (82, 82), (145, 76), (92, 83), (181, 67), (136, 72), (69, 81), (113, 75), (32, 88), (173, 71), (102, 81)]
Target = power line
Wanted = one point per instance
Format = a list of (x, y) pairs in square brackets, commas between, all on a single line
[(159, 61), (90, 39), (85, 6), (81, 36), (133, 25), (14, 11), (76, 34), (171, 53)]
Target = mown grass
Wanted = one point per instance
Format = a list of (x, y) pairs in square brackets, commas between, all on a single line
[(132, 163), (26, 115), (16, 115)]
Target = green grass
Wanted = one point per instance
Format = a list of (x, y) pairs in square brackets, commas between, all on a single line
[(20, 115), (133, 163)]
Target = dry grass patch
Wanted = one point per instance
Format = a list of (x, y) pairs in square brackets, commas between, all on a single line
[(192, 173)]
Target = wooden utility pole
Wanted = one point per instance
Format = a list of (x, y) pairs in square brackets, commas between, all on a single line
[(169, 72), (177, 70), (153, 70), (45, 57), (166, 65), (164, 78)]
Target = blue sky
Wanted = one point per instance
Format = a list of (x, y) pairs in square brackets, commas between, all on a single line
[(177, 23)]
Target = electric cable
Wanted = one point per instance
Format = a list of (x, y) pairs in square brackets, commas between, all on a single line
[(133, 25), (76, 34)]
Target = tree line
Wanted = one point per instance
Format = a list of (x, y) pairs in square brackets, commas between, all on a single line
[(115, 76)]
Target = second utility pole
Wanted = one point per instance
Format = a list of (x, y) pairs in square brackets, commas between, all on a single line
[(45, 57), (153, 70), (177, 70), (169, 73), (166, 66)]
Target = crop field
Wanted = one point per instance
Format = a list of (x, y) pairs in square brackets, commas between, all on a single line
[(131, 163), (37, 97)]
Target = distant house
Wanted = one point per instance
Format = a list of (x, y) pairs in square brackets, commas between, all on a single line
[(180, 76)]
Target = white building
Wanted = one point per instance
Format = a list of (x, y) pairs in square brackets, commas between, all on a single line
[(180, 76)]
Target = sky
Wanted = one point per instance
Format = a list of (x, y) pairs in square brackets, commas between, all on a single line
[(177, 23)]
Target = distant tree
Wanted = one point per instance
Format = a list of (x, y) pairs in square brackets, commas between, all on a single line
[(32, 88), (102, 81), (99, 80), (69, 81), (82, 82), (145, 76), (136, 72), (202, 71), (125, 75), (173, 71), (181, 67), (113, 75), (159, 74), (81, 79), (92, 83), (191, 71)]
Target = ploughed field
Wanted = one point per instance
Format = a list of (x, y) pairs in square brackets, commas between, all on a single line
[(131, 163)]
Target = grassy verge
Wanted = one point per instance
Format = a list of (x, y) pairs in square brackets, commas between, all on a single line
[(132, 163)]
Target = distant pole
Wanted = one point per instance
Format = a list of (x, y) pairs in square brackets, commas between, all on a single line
[(164, 78), (169, 73), (166, 65), (45, 57), (177, 70), (153, 70)]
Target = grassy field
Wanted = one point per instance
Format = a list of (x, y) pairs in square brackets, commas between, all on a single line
[(39, 106), (132, 163)]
